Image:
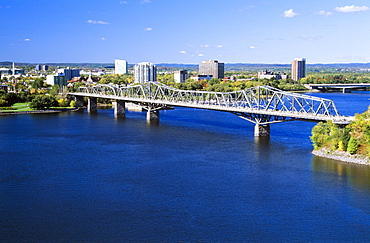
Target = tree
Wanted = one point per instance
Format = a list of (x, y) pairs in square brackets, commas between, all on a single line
[(43, 102), (352, 146), (54, 90), (38, 83)]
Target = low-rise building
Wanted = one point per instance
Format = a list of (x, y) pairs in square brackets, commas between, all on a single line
[(201, 77), (265, 74), (60, 80)]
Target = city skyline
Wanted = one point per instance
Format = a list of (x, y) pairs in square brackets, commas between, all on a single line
[(185, 31)]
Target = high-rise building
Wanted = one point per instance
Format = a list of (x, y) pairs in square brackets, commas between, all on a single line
[(180, 76), (213, 68), (298, 68), (68, 73), (145, 72), (120, 66)]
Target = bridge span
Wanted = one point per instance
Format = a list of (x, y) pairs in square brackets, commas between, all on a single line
[(260, 105), (346, 88)]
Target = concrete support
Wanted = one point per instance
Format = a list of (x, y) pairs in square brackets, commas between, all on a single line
[(79, 101), (347, 90), (262, 130), (152, 115), (119, 108), (92, 104)]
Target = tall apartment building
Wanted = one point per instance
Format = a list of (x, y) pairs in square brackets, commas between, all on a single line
[(180, 76), (298, 68), (145, 72), (212, 67), (120, 66)]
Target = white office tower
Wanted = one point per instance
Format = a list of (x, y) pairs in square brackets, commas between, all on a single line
[(145, 72), (120, 66)]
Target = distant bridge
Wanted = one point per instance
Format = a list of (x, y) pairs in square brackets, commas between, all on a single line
[(261, 105), (346, 88)]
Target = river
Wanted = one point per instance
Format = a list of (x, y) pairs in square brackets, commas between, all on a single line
[(196, 176)]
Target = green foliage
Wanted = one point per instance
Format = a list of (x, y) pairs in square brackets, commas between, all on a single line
[(38, 83), (354, 138), (120, 79), (43, 102), (54, 90), (3, 103), (352, 146), (63, 102), (321, 134), (73, 103)]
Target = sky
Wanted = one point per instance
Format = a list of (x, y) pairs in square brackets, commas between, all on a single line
[(185, 32)]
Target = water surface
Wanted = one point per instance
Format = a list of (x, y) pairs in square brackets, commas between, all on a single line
[(196, 176)]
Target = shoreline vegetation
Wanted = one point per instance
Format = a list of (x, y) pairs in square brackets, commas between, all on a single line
[(350, 143), (14, 112)]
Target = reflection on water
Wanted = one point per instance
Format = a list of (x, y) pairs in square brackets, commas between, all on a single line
[(357, 175)]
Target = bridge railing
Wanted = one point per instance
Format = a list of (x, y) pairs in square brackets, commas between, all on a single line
[(256, 98)]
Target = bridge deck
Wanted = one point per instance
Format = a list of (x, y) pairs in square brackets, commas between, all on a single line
[(227, 108)]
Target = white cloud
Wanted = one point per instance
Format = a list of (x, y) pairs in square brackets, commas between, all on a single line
[(123, 2), (200, 55), (253, 47), (219, 46), (96, 22), (352, 8), (324, 13), (144, 1), (289, 13), (27, 40), (182, 52), (206, 46), (148, 29), (310, 38), (103, 39)]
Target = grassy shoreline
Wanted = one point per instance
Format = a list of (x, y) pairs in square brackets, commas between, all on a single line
[(23, 108)]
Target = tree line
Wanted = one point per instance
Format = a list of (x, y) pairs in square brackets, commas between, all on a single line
[(353, 138)]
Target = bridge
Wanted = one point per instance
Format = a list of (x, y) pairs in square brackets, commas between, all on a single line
[(346, 88), (262, 105)]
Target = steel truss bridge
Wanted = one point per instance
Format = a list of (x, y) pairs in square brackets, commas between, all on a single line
[(261, 105)]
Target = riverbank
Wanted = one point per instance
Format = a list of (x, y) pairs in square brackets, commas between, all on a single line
[(343, 156), (4, 113)]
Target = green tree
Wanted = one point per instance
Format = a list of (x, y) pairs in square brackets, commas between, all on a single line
[(54, 90), (44, 102), (38, 83), (352, 146), (321, 134)]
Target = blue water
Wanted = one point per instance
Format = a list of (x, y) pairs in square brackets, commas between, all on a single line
[(196, 176)]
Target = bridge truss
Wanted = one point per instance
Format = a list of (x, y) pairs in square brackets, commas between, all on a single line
[(260, 105)]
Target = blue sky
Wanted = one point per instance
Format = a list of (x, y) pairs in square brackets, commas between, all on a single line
[(179, 31)]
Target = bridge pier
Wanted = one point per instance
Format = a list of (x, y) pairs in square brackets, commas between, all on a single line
[(262, 130), (119, 108), (152, 115), (79, 101), (92, 104), (347, 90)]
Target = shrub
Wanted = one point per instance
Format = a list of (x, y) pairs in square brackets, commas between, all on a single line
[(352, 146)]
